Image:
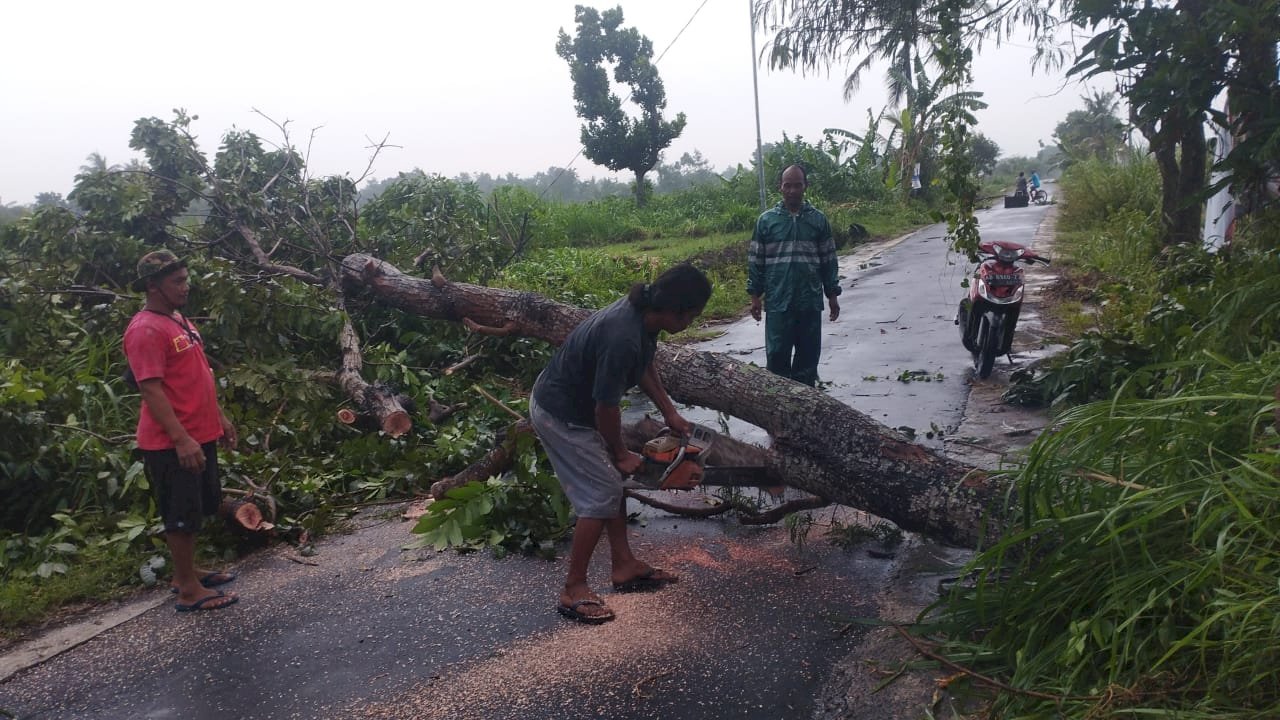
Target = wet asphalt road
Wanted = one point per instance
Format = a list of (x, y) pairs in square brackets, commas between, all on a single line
[(364, 629), (894, 353)]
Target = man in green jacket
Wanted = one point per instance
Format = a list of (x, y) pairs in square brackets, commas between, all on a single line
[(791, 266)]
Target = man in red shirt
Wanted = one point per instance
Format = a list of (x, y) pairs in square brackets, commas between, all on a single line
[(180, 423)]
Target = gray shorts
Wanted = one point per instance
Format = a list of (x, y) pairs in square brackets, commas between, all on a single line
[(582, 464)]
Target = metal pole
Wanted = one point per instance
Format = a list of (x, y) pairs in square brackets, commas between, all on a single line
[(755, 89)]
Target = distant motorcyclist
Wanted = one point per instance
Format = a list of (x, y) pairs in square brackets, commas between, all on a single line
[(1035, 180), (1020, 185)]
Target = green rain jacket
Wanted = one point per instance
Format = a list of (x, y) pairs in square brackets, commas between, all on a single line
[(792, 260)]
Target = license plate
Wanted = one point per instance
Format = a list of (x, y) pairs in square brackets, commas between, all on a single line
[(1003, 279)]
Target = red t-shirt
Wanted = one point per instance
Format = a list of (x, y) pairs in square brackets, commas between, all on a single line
[(158, 346)]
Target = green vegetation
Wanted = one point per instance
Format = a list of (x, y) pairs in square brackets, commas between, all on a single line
[(78, 520), (526, 514), (1141, 580), (1144, 577)]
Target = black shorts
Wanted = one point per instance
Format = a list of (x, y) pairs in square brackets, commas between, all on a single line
[(184, 498)]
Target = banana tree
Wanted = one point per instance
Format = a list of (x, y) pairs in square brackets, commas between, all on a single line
[(920, 121)]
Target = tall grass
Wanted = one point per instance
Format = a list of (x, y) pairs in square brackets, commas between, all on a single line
[(1144, 580), (1096, 190)]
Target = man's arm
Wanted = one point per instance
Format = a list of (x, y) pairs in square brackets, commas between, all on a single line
[(190, 456), (651, 384), (829, 269), (609, 425), (755, 269), (229, 437)]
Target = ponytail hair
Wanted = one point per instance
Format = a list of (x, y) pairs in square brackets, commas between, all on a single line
[(680, 289)]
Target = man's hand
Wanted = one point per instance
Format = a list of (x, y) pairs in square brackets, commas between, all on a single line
[(190, 454), (756, 307), (628, 463), (835, 307), (678, 424), (229, 437)]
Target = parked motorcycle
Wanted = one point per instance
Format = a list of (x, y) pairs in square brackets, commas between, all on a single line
[(988, 316)]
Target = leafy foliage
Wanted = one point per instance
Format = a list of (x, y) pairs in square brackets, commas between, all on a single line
[(1094, 132), (1157, 306), (1173, 60), (525, 515), (1140, 578), (813, 35), (1167, 506)]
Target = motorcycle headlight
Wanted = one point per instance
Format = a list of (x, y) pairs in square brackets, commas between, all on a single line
[(999, 294), (984, 292)]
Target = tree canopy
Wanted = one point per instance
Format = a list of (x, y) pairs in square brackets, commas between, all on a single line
[(1094, 132), (610, 137)]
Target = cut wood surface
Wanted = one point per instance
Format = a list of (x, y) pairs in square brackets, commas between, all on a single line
[(820, 445)]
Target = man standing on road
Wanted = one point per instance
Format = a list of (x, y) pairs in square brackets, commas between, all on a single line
[(179, 425), (791, 267)]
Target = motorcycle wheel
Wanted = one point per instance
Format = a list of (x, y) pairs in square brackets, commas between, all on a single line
[(988, 342), (962, 319)]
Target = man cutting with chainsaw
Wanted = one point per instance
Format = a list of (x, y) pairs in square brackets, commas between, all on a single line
[(575, 410)]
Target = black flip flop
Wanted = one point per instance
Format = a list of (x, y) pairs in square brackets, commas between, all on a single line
[(211, 580), (645, 582), (200, 604), (572, 612)]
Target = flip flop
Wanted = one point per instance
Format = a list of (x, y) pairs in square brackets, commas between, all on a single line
[(212, 580), (572, 612), (200, 604), (646, 581)]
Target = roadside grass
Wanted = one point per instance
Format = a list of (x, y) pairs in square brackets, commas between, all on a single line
[(1074, 317), (722, 256), (98, 574), (1140, 579)]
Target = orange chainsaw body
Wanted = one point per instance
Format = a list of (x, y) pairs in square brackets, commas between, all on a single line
[(682, 459)]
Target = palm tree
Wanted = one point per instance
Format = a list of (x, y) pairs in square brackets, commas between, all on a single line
[(812, 35)]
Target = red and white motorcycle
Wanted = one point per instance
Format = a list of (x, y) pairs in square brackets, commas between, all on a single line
[(988, 316)]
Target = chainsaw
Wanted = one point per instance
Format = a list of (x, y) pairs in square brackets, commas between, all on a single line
[(672, 462)]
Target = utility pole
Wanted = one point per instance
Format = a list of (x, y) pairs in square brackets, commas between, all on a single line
[(755, 89)]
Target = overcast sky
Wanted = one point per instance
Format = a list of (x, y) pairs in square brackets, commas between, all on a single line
[(459, 86)]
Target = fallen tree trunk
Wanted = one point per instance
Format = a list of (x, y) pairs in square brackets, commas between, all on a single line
[(820, 445)]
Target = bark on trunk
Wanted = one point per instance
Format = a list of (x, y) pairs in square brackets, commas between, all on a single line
[(379, 401), (820, 445)]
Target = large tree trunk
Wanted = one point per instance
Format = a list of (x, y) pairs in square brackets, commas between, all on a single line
[(1179, 147), (820, 445)]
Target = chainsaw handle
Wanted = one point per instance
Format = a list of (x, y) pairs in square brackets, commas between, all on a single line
[(680, 455)]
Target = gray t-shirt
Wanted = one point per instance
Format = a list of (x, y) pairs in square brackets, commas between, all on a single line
[(602, 359)]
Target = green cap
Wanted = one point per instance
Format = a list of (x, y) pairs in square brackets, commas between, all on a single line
[(156, 263)]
